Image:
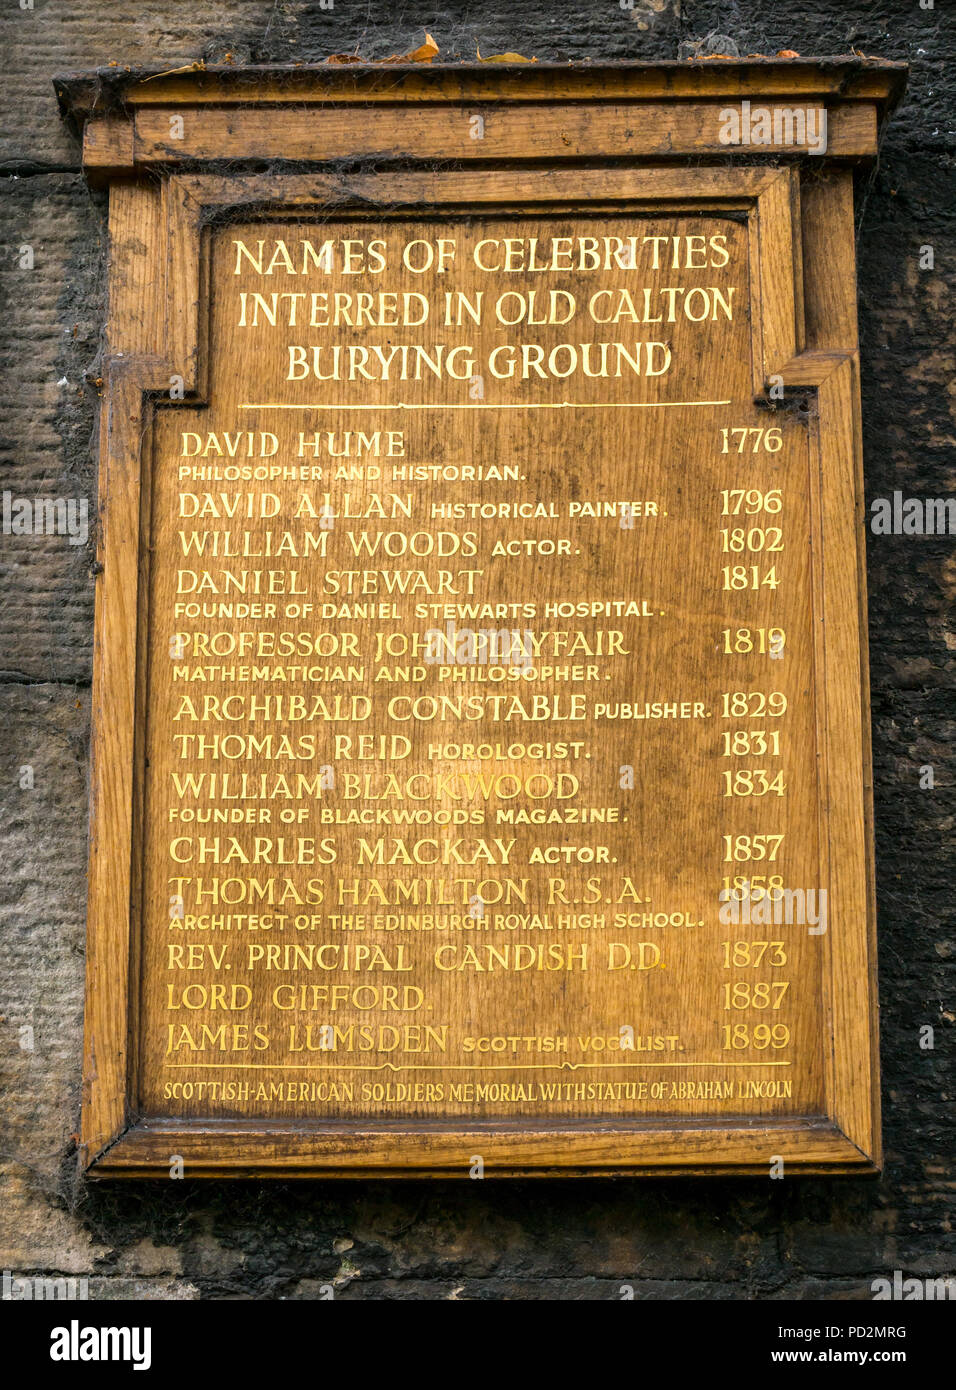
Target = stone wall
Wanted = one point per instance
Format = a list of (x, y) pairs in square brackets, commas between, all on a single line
[(470, 1240)]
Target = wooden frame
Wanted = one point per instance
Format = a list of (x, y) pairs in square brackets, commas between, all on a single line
[(800, 219)]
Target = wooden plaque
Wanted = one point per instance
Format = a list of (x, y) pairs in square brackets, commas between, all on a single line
[(481, 774)]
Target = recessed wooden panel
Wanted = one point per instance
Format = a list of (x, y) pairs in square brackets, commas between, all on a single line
[(481, 677)]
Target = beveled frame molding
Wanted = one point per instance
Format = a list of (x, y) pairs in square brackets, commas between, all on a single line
[(533, 111), (803, 331)]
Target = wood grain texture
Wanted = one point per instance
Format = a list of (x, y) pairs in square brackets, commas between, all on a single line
[(173, 296), (537, 132), (847, 78)]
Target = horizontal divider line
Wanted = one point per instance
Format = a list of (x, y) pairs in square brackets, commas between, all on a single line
[(529, 405), (442, 1066)]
